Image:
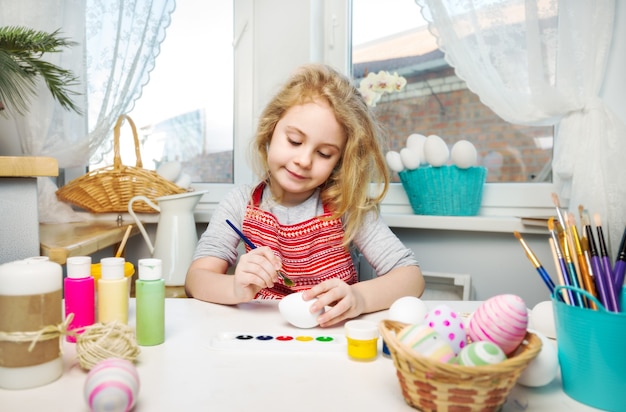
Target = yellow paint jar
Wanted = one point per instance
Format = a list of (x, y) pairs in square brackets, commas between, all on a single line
[(362, 337)]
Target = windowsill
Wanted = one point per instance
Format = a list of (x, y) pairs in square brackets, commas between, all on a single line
[(495, 224)]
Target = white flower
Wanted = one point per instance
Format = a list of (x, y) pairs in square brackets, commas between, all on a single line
[(374, 85)]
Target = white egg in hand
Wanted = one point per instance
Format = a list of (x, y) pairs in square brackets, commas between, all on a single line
[(464, 154), (436, 152), (297, 311), (394, 161), (410, 159)]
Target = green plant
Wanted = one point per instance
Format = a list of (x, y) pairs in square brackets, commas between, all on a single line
[(21, 66)]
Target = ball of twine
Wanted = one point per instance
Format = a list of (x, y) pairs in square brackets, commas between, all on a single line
[(106, 340)]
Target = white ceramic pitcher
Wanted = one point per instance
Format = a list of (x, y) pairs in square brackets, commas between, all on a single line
[(176, 235)]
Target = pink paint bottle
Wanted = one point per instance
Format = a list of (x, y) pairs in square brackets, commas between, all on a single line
[(79, 292)]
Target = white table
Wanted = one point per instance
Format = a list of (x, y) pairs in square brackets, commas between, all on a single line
[(190, 373)]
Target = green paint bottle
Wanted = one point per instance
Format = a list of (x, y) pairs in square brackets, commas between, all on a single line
[(150, 301)]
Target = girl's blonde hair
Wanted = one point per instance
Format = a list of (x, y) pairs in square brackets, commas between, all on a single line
[(346, 192)]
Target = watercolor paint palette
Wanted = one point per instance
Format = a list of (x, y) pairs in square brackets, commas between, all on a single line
[(279, 342)]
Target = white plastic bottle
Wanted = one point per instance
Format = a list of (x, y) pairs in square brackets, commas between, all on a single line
[(112, 291)]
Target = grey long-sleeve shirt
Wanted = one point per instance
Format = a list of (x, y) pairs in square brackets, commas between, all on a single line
[(374, 240)]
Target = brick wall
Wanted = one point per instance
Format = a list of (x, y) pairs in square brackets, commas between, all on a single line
[(440, 103)]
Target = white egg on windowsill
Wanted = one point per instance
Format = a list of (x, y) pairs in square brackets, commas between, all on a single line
[(436, 152), (464, 154), (394, 161)]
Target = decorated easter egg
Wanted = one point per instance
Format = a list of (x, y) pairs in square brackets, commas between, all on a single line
[(297, 311), (394, 161), (112, 385), (544, 367), (425, 341), (410, 159), (481, 353), (408, 309), (463, 154), (502, 319), (436, 151), (449, 325)]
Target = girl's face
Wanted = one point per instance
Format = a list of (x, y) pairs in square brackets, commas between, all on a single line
[(306, 145)]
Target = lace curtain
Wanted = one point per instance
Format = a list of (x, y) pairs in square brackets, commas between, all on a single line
[(123, 40), (118, 44), (535, 63)]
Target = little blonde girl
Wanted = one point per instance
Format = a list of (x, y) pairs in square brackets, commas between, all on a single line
[(316, 153)]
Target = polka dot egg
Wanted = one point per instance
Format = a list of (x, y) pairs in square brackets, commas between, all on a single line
[(480, 353), (423, 340), (502, 319), (449, 325)]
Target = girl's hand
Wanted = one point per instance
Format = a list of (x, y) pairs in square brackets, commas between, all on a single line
[(344, 300), (256, 270)]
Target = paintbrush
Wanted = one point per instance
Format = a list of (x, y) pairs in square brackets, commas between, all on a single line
[(120, 249), (533, 259), (286, 280), (620, 265), (565, 293), (562, 264), (587, 278), (606, 263), (571, 268), (599, 276), (557, 205)]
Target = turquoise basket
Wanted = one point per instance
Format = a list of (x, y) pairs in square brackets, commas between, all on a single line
[(592, 351), (444, 190)]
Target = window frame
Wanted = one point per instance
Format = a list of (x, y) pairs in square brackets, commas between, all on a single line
[(322, 33)]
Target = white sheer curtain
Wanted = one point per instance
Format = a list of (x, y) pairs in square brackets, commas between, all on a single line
[(123, 40), (542, 62), (118, 42)]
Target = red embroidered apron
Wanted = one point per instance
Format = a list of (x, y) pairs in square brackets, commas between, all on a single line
[(311, 251)]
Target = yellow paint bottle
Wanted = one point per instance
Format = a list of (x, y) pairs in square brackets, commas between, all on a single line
[(362, 337)]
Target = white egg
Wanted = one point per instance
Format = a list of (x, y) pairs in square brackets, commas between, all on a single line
[(394, 161), (169, 170), (464, 154), (410, 159), (297, 311), (415, 142), (542, 319), (543, 369), (408, 309), (436, 151)]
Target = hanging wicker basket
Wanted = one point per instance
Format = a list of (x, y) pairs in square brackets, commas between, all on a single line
[(109, 189)]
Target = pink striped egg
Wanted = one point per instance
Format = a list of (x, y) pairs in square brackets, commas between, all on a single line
[(112, 386), (502, 319)]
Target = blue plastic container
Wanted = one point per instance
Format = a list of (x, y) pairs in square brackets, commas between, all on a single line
[(445, 190), (592, 352)]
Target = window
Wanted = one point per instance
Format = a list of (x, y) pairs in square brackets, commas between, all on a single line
[(252, 56), (185, 112), (435, 101)]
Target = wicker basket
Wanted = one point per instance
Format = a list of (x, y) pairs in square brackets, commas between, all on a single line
[(430, 385), (445, 190), (109, 189)]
